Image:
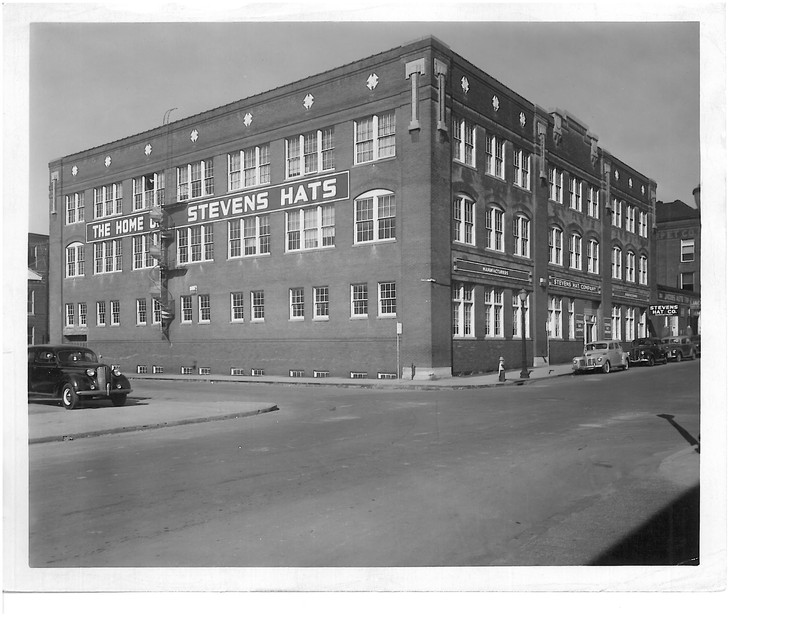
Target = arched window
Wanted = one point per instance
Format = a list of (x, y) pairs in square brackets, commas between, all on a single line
[(375, 217), (464, 220), (630, 267), (556, 244), (75, 260), (616, 263), (593, 256), (575, 251), (643, 278), (522, 235), (494, 227)]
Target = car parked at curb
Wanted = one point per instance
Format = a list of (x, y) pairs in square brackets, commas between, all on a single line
[(647, 351), (72, 374), (603, 355), (696, 341), (679, 348)]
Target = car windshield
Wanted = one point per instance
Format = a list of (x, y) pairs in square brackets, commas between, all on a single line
[(667, 340), (641, 342), (596, 346), (69, 357)]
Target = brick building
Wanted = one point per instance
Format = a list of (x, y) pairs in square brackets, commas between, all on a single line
[(380, 219), (38, 277)]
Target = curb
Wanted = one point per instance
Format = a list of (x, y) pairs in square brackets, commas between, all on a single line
[(117, 430)]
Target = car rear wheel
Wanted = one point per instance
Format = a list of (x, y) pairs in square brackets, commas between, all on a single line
[(607, 367), (119, 400), (69, 398)]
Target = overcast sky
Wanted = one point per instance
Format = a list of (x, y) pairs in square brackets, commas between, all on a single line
[(636, 84)]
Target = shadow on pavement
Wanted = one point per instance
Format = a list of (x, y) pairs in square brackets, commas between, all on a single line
[(671, 537), (685, 434)]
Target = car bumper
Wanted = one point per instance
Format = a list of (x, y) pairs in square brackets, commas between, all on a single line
[(587, 365), (96, 393)]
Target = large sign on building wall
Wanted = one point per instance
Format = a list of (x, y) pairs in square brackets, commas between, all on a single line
[(129, 225)]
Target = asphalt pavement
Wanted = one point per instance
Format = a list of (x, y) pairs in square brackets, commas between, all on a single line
[(52, 423)]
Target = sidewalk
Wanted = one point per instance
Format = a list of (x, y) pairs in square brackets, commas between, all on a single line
[(54, 424)]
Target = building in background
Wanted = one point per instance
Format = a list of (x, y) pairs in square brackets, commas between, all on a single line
[(38, 277), (405, 215)]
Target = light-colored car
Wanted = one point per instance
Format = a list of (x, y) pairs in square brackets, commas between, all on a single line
[(679, 348), (605, 355)]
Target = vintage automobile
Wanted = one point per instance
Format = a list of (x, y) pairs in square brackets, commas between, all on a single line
[(696, 341), (72, 373), (604, 355), (647, 351), (679, 348)]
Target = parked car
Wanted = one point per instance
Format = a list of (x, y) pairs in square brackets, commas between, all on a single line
[(604, 355), (679, 348), (71, 374), (647, 351), (696, 341)]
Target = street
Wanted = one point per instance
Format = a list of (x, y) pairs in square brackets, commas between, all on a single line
[(575, 470)]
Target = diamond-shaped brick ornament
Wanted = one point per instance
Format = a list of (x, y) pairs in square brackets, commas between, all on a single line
[(74, 170), (108, 161), (372, 81), (308, 101), (148, 149), (194, 135), (465, 84), (495, 103), (248, 119), (522, 119)]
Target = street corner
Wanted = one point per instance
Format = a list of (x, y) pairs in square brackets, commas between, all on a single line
[(683, 467)]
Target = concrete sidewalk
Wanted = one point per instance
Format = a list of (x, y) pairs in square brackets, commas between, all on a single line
[(49, 422)]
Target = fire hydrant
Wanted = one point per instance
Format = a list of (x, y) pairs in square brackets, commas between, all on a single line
[(502, 370)]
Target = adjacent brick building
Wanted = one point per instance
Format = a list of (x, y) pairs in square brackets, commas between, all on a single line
[(376, 220), (38, 288)]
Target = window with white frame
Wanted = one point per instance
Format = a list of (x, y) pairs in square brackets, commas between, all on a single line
[(616, 212), (495, 147), (297, 306), (686, 281), (196, 244), (522, 168), (593, 256), (518, 316), (616, 263), (141, 311), (494, 228), (554, 317), (75, 208), (310, 228), (101, 313), (630, 324), (556, 180), (616, 322), (195, 179), (204, 308), (463, 310), (642, 224), (248, 167), (82, 310), (108, 256), (643, 276), (375, 217), (493, 311), (687, 250), (237, 307), (556, 245), (464, 220), (630, 267), (575, 194), (630, 218), (156, 305), (375, 137), (69, 315), (522, 236), (642, 325), (248, 236), (114, 313), (75, 265), (593, 203), (309, 153), (359, 297), (387, 299), (571, 318), (575, 251), (31, 301), (463, 141), (257, 305), (108, 200), (321, 303), (141, 245), (186, 310), (148, 191)]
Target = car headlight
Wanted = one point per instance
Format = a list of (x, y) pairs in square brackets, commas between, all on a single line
[(117, 372), (91, 373)]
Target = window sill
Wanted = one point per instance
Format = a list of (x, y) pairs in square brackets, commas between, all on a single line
[(322, 319), (374, 161), (325, 248), (359, 317), (367, 243)]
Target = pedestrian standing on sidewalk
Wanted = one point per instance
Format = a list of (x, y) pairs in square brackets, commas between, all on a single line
[(502, 370)]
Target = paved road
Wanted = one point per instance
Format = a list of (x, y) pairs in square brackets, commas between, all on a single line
[(556, 472)]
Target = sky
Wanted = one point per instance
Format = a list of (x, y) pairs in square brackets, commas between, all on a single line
[(97, 76)]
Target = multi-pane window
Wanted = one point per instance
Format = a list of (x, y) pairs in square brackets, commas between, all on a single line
[(297, 305), (359, 295), (630, 324), (141, 245), (643, 277), (642, 224), (616, 212), (75, 260), (108, 200), (464, 220), (375, 137), (494, 155), (248, 167), (248, 236), (237, 307), (463, 310), (107, 256), (82, 309), (630, 218), (156, 311), (114, 313), (493, 310), (687, 250), (518, 317), (196, 179), (375, 217), (321, 303), (616, 322), (686, 281), (630, 267), (554, 316), (616, 263), (556, 244), (555, 179), (463, 141), (101, 313), (575, 251), (593, 203), (195, 244), (204, 304), (148, 191), (494, 228), (75, 207), (641, 328), (141, 311), (309, 153), (31, 301), (575, 194), (186, 309), (69, 314), (310, 228), (522, 234), (571, 318), (387, 299), (522, 168), (593, 256), (257, 306)]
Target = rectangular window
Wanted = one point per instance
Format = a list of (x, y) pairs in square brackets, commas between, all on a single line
[(195, 244), (495, 147), (257, 306), (141, 311), (375, 137), (148, 191), (237, 307), (556, 242), (114, 313), (108, 256), (464, 221), (593, 205), (616, 212), (463, 314), (616, 322), (575, 252), (82, 310), (186, 309), (518, 317), (687, 281), (69, 315), (204, 303), (643, 224), (575, 194), (556, 182), (248, 236), (643, 277), (687, 250), (108, 200), (141, 250), (494, 228), (321, 303), (630, 324), (75, 208), (387, 296), (554, 317), (248, 167), (375, 217), (630, 267), (571, 318), (101, 313), (310, 228), (642, 324), (297, 307), (359, 296), (522, 168), (493, 310), (195, 179), (309, 153), (630, 218), (593, 257), (616, 263), (522, 233), (31, 302), (156, 311), (464, 141)]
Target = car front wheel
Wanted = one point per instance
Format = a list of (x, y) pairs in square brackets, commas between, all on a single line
[(69, 398), (625, 365), (678, 357), (607, 367), (119, 400)]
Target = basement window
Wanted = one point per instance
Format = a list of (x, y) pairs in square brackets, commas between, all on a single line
[(187, 371), (158, 369), (322, 374), (358, 375), (204, 371), (237, 371), (297, 373), (141, 368), (383, 375), (259, 373)]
